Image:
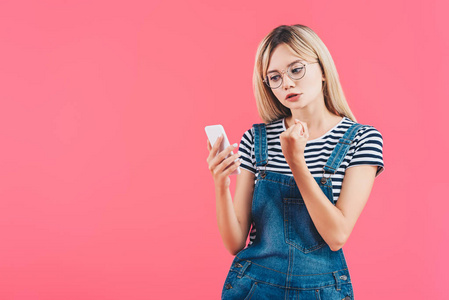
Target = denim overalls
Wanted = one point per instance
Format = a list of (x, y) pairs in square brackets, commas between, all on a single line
[(288, 258)]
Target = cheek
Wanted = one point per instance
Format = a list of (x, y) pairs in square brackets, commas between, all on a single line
[(311, 80), (278, 95), (311, 85)]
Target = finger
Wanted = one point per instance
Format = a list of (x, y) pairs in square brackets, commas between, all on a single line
[(222, 155), (232, 168), (287, 133), (225, 163), (296, 130), (227, 151), (209, 147), (232, 161), (216, 146), (306, 129), (289, 130), (214, 150), (233, 165), (301, 125)]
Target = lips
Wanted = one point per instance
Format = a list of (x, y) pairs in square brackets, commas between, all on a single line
[(291, 95)]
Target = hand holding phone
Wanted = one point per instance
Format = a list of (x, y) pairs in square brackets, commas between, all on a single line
[(213, 132)]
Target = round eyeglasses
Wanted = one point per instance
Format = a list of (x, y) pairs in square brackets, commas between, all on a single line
[(295, 72)]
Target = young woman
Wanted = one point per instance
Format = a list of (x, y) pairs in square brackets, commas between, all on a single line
[(307, 173)]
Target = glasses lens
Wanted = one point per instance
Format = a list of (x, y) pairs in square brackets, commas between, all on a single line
[(295, 72), (274, 79)]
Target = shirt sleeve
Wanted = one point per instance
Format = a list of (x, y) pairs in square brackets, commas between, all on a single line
[(368, 149), (246, 150)]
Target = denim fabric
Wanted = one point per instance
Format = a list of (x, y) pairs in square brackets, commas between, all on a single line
[(289, 259)]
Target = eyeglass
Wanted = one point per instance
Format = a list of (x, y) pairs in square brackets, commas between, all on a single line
[(295, 72)]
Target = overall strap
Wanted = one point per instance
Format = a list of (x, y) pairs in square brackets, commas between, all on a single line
[(260, 146), (339, 153)]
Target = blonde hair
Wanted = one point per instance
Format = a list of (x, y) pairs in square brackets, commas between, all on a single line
[(303, 41)]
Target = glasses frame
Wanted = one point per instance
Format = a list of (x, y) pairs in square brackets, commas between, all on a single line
[(289, 75)]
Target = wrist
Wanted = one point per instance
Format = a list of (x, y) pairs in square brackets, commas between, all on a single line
[(299, 161), (221, 188)]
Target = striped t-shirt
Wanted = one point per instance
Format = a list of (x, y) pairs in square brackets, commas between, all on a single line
[(366, 149)]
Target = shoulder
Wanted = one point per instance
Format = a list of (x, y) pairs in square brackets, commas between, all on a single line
[(368, 133), (274, 127), (364, 133), (367, 148)]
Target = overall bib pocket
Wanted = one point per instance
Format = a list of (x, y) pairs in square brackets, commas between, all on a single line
[(299, 229)]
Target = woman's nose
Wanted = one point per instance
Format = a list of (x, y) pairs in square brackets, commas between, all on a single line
[(287, 81)]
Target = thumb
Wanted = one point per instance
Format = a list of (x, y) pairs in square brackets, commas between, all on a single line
[(299, 123)]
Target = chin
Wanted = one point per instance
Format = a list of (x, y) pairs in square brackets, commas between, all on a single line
[(296, 105)]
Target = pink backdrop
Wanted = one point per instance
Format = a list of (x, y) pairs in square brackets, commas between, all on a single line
[(104, 186)]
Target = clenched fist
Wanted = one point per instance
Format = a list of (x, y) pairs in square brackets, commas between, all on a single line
[(293, 142)]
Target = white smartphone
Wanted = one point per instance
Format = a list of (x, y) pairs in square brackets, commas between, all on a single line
[(213, 132)]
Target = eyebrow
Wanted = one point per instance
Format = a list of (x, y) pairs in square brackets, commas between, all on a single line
[(298, 60)]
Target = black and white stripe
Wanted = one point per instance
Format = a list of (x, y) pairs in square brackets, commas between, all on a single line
[(366, 149)]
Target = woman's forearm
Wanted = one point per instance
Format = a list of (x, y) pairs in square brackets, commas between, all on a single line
[(228, 224), (327, 218)]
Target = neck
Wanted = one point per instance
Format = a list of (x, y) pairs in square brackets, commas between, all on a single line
[(318, 119)]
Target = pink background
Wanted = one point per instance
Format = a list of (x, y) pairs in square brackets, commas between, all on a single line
[(104, 186)]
